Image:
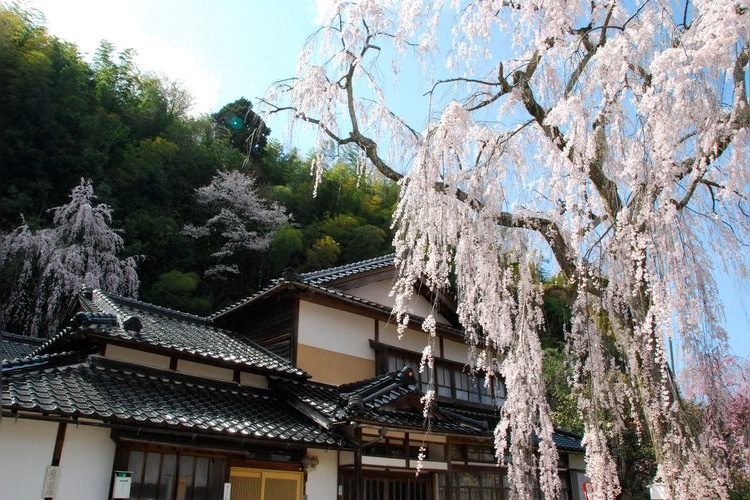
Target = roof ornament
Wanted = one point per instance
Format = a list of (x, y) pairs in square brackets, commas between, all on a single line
[(355, 406), (87, 292), (405, 376), (132, 324), (290, 274), (84, 319)]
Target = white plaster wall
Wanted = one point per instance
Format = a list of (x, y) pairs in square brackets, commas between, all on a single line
[(26, 448), (576, 461), (323, 481), (86, 463), (455, 351), (204, 370), (338, 331), (415, 340), (411, 340), (379, 292), (254, 380), (137, 357)]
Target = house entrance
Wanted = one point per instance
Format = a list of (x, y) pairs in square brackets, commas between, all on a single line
[(259, 484)]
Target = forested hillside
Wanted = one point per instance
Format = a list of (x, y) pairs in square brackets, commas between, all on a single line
[(63, 119)]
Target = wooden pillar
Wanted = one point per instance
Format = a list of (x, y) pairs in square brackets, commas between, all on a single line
[(56, 456)]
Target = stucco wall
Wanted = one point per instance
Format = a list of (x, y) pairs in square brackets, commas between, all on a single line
[(86, 463), (204, 370), (26, 448), (455, 351), (415, 340), (322, 482), (327, 328), (411, 340), (331, 367), (137, 357), (379, 292)]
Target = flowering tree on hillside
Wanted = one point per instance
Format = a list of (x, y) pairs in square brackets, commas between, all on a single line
[(45, 268), (611, 137), (242, 219)]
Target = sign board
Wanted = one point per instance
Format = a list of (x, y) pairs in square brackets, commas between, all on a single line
[(121, 486), (51, 480), (658, 491), (227, 491), (588, 490)]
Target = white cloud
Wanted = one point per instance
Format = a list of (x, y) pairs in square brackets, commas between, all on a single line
[(87, 22)]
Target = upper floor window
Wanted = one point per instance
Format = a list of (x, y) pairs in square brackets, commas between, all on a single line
[(452, 380)]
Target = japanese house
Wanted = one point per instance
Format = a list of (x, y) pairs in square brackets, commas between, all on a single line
[(303, 390)]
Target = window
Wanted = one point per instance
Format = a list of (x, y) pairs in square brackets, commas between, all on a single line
[(392, 448), (175, 476), (472, 453), (471, 485), (389, 487), (452, 380), (487, 485)]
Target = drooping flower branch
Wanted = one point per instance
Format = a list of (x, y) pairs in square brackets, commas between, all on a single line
[(612, 137)]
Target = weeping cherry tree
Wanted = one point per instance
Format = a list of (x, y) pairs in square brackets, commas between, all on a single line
[(612, 138), (46, 267)]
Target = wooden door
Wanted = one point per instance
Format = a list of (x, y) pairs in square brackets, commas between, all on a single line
[(260, 484)]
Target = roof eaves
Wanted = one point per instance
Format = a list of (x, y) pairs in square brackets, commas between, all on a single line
[(320, 437), (271, 289), (336, 273), (37, 362)]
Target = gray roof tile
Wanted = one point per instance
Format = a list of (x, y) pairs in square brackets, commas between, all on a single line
[(18, 346), (110, 390), (330, 405), (336, 273), (111, 316)]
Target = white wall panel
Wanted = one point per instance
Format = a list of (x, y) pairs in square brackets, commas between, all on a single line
[(411, 340), (379, 292), (322, 482), (334, 330), (86, 463), (26, 448)]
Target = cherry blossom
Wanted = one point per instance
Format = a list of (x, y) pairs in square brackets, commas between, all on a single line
[(610, 138), (48, 266)]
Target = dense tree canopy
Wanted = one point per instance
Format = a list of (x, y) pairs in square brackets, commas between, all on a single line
[(613, 138), (62, 119)]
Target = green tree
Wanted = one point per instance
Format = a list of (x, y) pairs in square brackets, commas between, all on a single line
[(45, 98), (177, 290), (247, 131)]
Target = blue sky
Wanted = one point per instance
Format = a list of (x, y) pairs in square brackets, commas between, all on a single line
[(225, 49), (219, 50)]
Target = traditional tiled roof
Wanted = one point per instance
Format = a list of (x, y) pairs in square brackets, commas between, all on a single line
[(375, 401), (139, 324), (18, 346), (284, 284), (41, 361), (568, 441), (316, 279), (336, 273), (123, 393), (380, 401)]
